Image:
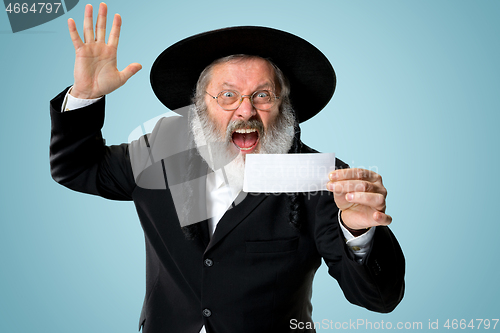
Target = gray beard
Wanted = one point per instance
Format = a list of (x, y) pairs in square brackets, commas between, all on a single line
[(215, 146)]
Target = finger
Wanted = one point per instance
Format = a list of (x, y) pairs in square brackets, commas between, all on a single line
[(373, 200), (114, 35), (129, 71), (73, 32), (345, 186), (88, 30), (355, 173), (382, 218), (100, 26)]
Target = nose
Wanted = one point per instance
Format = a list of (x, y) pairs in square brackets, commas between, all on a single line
[(246, 109)]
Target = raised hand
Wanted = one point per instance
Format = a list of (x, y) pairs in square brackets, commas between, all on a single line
[(360, 194), (96, 73)]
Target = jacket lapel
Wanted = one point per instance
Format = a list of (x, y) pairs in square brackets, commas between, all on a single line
[(235, 216)]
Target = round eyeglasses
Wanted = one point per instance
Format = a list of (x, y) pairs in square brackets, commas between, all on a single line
[(230, 100)]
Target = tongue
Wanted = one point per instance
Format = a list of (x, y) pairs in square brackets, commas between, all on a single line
[(245, 140)]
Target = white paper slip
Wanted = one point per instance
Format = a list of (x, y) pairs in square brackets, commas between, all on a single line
[(286, 173)]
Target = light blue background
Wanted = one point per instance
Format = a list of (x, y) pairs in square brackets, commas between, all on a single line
[(417, 100)]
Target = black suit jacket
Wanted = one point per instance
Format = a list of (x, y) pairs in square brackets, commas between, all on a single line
[(254, 275)]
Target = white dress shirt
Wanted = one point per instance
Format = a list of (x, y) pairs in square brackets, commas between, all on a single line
[(220, 197)]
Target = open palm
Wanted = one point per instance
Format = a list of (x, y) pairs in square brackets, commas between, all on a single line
[(96, 73)]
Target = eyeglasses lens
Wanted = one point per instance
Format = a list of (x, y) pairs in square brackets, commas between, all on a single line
[(230, 100)]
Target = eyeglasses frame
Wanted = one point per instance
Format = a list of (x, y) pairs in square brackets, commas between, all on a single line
[(250, 97)]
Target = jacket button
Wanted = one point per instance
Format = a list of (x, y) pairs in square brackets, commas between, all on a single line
[(208, 262), (207, 313)]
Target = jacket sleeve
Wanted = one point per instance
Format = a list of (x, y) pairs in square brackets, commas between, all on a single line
[(80, 160), (378, 282)]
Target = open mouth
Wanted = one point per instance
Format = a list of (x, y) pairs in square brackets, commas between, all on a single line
[(245, 139)]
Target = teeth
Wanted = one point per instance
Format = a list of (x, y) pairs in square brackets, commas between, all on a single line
[(246, 130)]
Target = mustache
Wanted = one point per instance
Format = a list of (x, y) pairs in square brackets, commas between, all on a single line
[(242, 124)]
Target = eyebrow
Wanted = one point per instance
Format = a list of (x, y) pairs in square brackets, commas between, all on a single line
[(259, 87)]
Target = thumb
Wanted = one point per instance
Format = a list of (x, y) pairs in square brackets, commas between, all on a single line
[(129, 71)]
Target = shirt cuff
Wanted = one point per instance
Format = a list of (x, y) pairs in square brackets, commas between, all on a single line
[(360, 245), (73, 103)]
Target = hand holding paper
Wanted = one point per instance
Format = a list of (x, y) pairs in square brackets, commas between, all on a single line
[(360, 194)]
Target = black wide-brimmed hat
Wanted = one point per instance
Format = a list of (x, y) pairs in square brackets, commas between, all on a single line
[(312, 79)]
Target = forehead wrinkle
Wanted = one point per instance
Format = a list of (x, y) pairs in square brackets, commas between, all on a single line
[(240, 74)]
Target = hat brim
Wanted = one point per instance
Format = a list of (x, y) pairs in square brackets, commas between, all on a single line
[(312, 79)]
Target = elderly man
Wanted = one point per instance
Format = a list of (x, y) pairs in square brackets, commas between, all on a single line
[(217, 259)]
